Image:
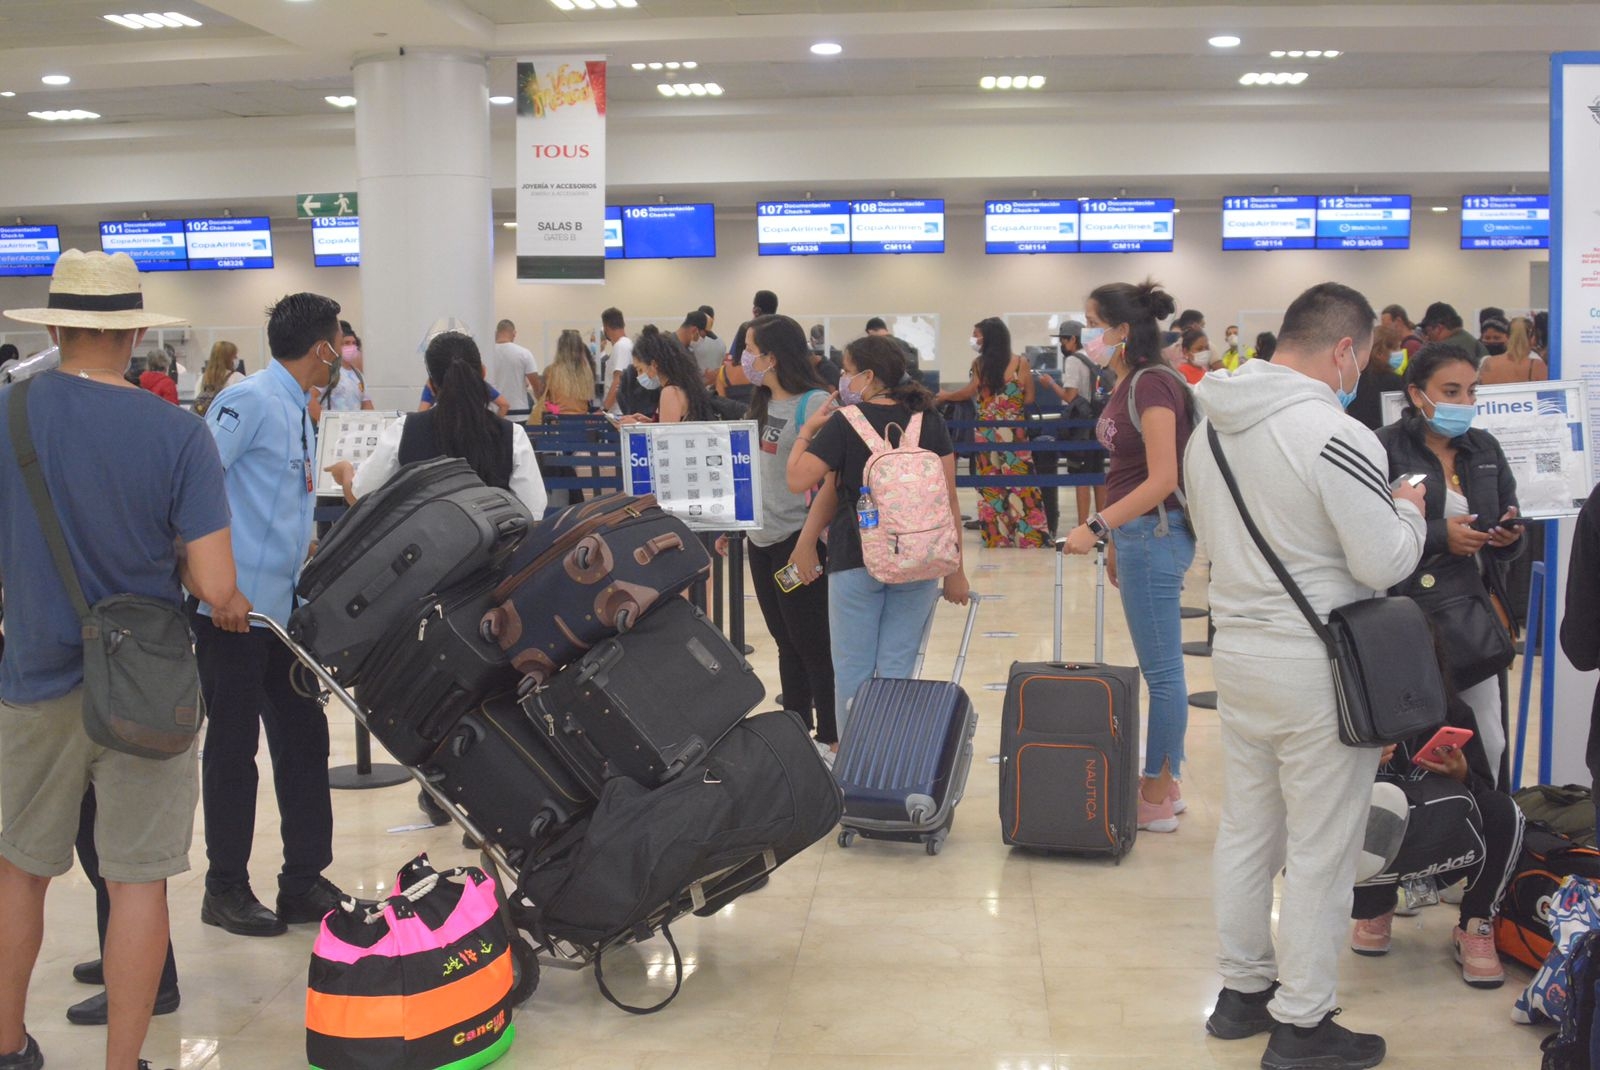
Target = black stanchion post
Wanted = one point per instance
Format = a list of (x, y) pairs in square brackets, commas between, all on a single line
[(736, 592), (363, 774), (718, 581)]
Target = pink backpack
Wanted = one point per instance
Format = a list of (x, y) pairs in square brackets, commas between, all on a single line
[(916, 536)]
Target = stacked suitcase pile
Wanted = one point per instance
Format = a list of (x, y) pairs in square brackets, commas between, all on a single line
[(556, 696)]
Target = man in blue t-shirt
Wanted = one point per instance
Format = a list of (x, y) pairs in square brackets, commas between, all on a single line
[(137, 487), (268, 445)]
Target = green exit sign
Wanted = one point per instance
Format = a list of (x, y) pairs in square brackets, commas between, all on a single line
[(307, 205)]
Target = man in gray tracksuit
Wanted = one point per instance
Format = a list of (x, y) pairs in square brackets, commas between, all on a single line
[(1315, 482)]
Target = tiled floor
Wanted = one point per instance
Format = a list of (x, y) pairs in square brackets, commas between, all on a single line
[(873, 958)]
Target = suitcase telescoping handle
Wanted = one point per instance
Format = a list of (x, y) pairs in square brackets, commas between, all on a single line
[(966, 639), (1099, 600)]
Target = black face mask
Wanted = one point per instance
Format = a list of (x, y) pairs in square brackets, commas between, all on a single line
[(1495, 348)]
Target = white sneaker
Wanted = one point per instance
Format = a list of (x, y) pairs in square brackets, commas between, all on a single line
[(825, 752)]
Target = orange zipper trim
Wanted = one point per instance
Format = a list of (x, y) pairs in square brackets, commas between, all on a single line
[(1022, 695), (1105, 817)]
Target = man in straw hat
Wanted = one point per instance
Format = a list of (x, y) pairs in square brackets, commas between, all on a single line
[(131, 478)]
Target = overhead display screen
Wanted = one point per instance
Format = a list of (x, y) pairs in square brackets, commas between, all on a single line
[(897, 226), (1030, 226), (803, 228), (228, 244), (1505, 222), (336, 241), (1121, 225), (154, 244), (1362, 222), (29, 250), (1269, 222), (613, 232), (669, 231)]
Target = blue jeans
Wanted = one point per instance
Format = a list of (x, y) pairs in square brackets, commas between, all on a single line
[(876, 629), (1150, 570)]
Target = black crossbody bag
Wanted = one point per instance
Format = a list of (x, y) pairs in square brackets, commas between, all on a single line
[(141, 683), (1385, 675)]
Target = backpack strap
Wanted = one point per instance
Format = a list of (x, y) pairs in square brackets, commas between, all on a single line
[(858, 423)]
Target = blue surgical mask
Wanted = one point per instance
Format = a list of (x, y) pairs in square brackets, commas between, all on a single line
[(649, 382), (1348, 396), (848, 394), (1397, 359), (1091, 335), (1451, 421)]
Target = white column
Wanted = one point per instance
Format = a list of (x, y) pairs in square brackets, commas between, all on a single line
[(422, 157)]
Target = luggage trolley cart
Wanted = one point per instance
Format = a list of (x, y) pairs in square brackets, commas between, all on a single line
[(703, 897)]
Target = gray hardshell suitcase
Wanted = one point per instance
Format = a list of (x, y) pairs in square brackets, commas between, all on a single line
[(1069, 746), (906, 751)]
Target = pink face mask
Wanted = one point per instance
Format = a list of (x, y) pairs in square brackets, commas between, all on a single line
[(350, 352), (747, 363)]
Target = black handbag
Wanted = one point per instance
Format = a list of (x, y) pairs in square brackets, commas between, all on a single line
[(1476, 645), (1381, 650)]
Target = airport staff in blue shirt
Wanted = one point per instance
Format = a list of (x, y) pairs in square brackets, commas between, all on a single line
[(268, 444)]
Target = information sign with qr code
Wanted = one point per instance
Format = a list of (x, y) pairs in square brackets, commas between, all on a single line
[(703, 473), (1544, 430), (347, 436)]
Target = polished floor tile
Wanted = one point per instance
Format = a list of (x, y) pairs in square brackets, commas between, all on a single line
[(873, 958)]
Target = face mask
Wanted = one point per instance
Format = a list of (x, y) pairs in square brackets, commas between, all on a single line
[(848, 394), (1201, 358), (1397, 358), (1495, 348), (1451, 421), (977, 346), (751, 372), (1346, 397), (350, 352), (649, 382), (1233, 341)]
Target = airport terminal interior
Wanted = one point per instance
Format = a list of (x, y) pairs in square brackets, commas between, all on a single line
[(256, 117)]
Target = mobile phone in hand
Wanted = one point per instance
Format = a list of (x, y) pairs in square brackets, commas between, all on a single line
[(1447, 738), (1411, 480)]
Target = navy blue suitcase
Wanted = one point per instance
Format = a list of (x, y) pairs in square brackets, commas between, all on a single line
[(905, 753)]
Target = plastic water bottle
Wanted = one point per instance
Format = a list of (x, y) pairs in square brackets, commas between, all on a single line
[(866, 510)]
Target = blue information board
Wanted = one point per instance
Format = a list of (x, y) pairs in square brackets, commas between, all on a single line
[(336, 241), (29, 250), (897, 226), (154, 244), (1122, 225), (1030, 226), (669, 231), (1505, 222), (229, 243), (1361, 222), (613, 232), (1269, 222), (803, 228), (703, 473)]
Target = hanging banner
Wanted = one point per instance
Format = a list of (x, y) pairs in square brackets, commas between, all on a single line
[(561, 169)]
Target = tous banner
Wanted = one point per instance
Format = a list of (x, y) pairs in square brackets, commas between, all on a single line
[(561, 169)]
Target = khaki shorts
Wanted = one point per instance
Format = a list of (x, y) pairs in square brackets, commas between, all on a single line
[(146, 806)]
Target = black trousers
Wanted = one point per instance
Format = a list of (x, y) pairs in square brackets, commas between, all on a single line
[(798, 621), (246, 683), (90, 859), (1453, 832)]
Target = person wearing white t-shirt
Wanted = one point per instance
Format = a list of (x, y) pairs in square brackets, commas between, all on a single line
[(617, 356), (513, 370)]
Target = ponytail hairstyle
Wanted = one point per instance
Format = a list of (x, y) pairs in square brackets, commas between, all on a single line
[(676, 367), (1141, 309), (463, 426), (881, 355), (784, 340), (995, 356)]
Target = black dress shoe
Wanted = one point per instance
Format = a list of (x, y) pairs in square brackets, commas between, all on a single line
[(239, 912), (29, 1058), (432, 810), (90, 973), (92, 1011), (310, 906)]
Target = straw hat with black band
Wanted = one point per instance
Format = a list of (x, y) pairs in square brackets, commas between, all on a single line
[(95, 291)]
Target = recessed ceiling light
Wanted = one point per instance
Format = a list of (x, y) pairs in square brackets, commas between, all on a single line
[(609, 5), (8, 93), (1297, 77), (1315, 53), (341, 102), (510, 224), (638, 66), (1295, 53), (502, 100), (714, 89), (585, 5), (657, 66), (1440, 208), (564, 5), (1249, 78), (682, 89), (689, 64), (1003, 82), (1278, 53), (986, 82), (1036, 82), (1224, 40), (665, 89), (1331, 54), (57, 116), (827, 48), (1177, 211), (697, 89), (56, 79), (673, 65), (127, 22), (628, 3)]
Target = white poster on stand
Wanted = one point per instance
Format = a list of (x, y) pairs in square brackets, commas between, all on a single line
[(1575, 354), (561, 169), (347, 436), (702, 473)]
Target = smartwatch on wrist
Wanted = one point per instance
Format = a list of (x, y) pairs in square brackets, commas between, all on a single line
[(1097, 526)]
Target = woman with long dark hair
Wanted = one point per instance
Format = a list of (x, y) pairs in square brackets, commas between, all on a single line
[(874, 627), (1003, 385), (664, 364), (1144, 428), (778, 364), (458, 425), (1471, 497)]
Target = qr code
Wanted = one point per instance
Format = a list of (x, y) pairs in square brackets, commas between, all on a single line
[(1547, 463)]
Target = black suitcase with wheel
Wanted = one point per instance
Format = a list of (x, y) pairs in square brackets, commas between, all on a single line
[(497, 766), (1069, 747), (649, 703)]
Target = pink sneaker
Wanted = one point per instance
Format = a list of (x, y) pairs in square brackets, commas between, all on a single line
[(1157, 817), (1175, 797), (1474, 947), (1371, 936)]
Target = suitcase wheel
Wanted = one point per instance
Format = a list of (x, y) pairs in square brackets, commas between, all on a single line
[(935, 846), (469, 736), (918, 807), (847, 837)]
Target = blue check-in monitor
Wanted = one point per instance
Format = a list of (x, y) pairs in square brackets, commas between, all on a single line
[(1127, 225), (31, 250), (897, 226), (1269, 223), (229, 243), (336, 241), (1030, 226), (613, 232), (154, 244), (1359, 221), (1517, 221), (802, 228), (668, 231)]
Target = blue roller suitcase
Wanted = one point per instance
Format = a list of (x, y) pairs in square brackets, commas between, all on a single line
[(905, 753)]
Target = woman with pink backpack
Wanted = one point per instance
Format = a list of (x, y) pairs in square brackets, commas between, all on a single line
[(892, 545)]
